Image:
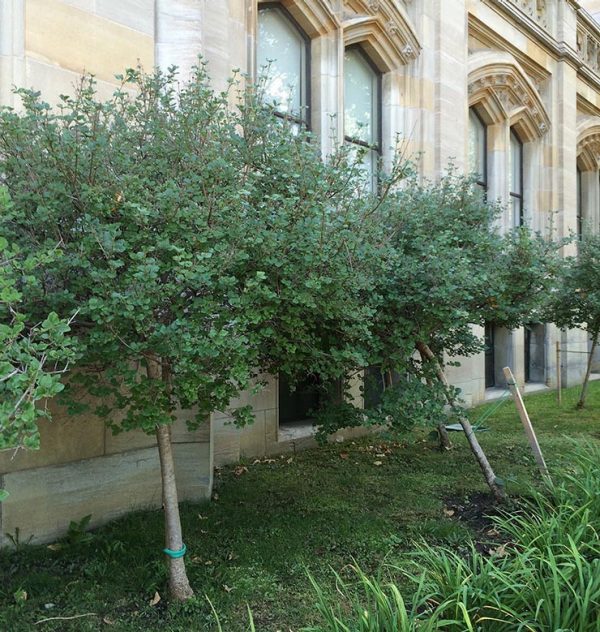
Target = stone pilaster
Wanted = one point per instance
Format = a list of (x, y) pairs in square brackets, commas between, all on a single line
[(12, 48), (450, 76)]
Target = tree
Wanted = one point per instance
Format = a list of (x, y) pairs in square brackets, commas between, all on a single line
[(576, 300), (444, 267), (202, 244), (33, 355)]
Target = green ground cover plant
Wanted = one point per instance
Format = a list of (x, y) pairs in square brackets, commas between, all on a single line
[(276, 521), (544, 576)]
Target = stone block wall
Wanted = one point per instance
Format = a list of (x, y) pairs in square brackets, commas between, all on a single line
[(82, 468)]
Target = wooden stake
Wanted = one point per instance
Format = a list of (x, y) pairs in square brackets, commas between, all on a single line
[(558, 374), (529, 431)]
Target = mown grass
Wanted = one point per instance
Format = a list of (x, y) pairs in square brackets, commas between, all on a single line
[(365, 502)]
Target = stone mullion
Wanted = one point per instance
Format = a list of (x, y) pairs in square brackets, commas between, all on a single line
[(327, 89)]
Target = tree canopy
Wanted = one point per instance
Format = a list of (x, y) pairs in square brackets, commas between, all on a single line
[(575, 303), (201, 244)]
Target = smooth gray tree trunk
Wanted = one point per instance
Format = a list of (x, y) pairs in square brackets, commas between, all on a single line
[(586, 381), (179, 585)]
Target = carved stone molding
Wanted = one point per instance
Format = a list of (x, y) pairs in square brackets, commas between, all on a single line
[(384, 30), (588, 144), (316, 17), (535, 9), (502, 91), (588, 46)]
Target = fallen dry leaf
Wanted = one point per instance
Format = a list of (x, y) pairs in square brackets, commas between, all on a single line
[(377, 462), (108, 621), (344, 455), (226, 588), (448, 512), (155, 599), (290, 460), (500, 551), (54, 547), (240, 469)]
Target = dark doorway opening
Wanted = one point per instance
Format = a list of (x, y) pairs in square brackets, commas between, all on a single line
[(298, 404), (535, 353)]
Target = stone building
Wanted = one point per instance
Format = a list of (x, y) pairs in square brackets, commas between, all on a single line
[(509, 89)]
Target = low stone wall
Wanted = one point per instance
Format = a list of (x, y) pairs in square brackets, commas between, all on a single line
[(83, 469)]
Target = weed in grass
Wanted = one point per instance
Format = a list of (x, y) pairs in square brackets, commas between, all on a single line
[(17, 541)]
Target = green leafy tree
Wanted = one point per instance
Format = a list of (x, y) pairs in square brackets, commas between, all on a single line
[(576, 301), (444, 267), (202, 243), (33, 354)]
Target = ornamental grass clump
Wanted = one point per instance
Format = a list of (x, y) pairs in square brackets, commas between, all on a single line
[(545, 574)]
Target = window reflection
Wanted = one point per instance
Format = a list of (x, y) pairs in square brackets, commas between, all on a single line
[(478, 149), (283, 54), (362, 110)]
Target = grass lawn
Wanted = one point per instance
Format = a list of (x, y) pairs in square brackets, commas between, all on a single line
[(273, 521)]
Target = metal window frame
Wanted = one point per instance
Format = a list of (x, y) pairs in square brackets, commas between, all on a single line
[(379, 109), (484, 183), (579, 204), (377, 148)]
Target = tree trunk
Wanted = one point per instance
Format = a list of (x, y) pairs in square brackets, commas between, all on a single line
[(586, 381), (179, 585), (443, 436), (476, 448)]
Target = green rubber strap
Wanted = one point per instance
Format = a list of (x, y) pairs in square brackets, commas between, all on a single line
[(176, 554)]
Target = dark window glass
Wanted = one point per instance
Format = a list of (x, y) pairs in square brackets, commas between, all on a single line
[(478, 149), (579, 204), (515, 174)]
